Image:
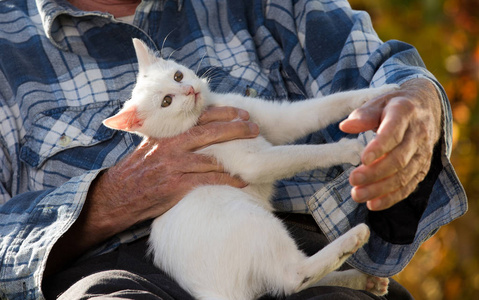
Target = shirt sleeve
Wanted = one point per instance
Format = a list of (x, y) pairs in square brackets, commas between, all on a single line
[(339, 50), (30, 221), (30, 224)]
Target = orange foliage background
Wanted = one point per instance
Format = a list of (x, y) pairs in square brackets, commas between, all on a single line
[(446, 34)]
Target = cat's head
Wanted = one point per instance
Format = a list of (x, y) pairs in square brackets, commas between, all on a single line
[(167, 99)]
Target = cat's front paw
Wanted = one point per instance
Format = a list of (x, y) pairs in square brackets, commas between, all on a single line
[(384, 89), (360, 97), (352, 149), (377, 285)]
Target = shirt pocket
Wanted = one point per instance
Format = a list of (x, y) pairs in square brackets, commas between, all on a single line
[(67, 128)]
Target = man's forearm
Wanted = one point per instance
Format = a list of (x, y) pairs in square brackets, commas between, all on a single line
[(91, 228)]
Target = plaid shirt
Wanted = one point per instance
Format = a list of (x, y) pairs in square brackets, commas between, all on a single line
[(62, 71)]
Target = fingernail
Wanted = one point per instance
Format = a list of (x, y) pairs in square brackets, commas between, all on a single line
[(359, 195), (352, 115), (369, 158), (254, 128), (373, 205), (358, 179), (243, 114)]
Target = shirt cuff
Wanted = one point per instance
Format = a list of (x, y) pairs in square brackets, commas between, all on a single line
[(35, 223)]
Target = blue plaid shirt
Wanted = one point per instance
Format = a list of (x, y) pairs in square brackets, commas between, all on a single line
[(62, 71)]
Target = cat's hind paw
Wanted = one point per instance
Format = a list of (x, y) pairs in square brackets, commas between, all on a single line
[(361, 233), (354, 239), (377, 285)]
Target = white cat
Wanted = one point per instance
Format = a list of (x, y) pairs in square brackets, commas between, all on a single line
[(221, 242)]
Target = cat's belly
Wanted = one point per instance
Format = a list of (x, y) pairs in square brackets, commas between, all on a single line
[(215, 232)]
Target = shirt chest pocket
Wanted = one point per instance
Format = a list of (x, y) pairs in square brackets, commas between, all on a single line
[(70, 137)]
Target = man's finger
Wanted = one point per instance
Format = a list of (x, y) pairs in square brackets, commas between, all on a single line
[(198, 163), (362, 119), (385, 166), (388, 200), (222, 114), (412, 173), (212, 178), (391, 132), (202, 136)]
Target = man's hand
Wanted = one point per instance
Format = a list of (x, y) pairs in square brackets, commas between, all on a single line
[(160, 172), (151, 180), (408, 124)]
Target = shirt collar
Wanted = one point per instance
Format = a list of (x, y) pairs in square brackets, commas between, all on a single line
[(50, 10)]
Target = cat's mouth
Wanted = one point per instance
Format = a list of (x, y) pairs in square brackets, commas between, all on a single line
[(197, 97)]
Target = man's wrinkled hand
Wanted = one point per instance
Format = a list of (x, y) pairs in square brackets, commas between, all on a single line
[(408, 124), (160, 172)]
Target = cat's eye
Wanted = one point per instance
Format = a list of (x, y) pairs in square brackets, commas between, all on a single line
[(166, 101), (178, 76)]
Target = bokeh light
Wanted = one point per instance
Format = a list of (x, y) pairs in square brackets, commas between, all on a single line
[(446, 34)]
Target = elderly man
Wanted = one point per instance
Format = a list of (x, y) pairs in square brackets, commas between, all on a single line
[(77, 197)]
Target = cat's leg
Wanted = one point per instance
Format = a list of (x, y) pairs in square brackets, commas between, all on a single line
[(282, 123), (311, 115), (357, 280), (330, 258), (211, 298), (273, 163)]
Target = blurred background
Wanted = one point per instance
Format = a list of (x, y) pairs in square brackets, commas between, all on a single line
[(446, 34)]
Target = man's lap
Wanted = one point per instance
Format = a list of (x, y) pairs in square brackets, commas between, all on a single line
[(127, 273)]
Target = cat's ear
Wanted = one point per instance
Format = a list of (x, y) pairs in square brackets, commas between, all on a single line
[(145, 56), (126, 119)]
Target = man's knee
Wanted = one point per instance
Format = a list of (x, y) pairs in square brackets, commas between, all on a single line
[(113, 284)]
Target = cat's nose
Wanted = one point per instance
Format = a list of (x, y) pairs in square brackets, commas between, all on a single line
[(189, 90)]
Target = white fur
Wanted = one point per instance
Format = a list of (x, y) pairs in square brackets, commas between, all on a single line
[(221, 242)]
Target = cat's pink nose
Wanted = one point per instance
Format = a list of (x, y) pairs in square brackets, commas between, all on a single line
[(190, 90)]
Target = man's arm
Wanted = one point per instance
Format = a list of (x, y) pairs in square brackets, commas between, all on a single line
[(149, 182)]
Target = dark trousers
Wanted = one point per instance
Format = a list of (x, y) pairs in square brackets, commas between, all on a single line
[(127, 273)]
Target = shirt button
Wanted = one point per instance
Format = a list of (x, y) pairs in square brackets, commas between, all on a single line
[(64, 140), (250, 92)]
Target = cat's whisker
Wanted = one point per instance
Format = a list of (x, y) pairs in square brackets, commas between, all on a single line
[(209, 78), (206, 73), (169, 56), (209, 71), (164, 41), (200, 62)]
